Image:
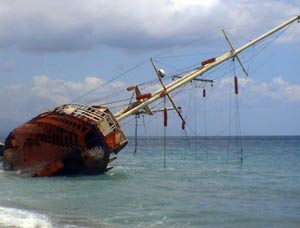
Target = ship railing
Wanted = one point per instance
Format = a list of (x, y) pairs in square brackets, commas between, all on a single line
[(90, 113)]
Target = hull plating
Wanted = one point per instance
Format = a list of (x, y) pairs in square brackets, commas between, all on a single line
[(71, 139)]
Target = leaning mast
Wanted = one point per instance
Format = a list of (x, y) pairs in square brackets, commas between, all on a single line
[(206, 66)]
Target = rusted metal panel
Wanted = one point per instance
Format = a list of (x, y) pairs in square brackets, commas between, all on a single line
[(67, 140), (49, 170)]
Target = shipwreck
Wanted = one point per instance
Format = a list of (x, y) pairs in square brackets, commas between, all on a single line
[(80, 139)]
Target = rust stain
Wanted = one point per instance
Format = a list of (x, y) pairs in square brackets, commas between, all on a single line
[(70, 139)]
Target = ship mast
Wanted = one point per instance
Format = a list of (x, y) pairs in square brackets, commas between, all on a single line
[(206, 66)]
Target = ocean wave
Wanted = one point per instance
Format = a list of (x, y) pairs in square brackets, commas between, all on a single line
[(19, 218)]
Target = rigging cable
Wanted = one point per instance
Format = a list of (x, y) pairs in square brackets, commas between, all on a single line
[(238, 121), (237, 114), (165, 132), (204, 117), (109, 81), (230, 115), (135, 134), (145, 131), (195, 119), (186, 142)]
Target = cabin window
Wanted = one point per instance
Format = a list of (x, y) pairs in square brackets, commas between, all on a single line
[(105, 127), (111, 122)]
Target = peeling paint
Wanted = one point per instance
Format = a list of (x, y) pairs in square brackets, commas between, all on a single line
[(70, 139)]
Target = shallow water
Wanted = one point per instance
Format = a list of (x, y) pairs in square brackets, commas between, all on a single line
[(204, 184)]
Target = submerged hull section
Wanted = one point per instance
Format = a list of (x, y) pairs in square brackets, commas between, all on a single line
[(71, 139)]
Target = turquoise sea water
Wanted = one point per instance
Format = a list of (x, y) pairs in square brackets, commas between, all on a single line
[(204, 184)]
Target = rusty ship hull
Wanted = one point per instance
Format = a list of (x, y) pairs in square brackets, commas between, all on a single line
[(70, 139)]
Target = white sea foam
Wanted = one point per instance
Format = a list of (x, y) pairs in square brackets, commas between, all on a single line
[(18, 218)]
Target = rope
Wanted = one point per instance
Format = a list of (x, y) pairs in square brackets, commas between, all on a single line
[(135, 134), (165, 138), (239, 131), (237, 114), (109, 81)]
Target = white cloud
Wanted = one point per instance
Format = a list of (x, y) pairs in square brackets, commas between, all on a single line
[(287, 90), (277, 90), (62, 26), (264, 107), (59, 91), (44, 93)]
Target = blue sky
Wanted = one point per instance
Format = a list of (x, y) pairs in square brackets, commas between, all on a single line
[(52, 52)]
